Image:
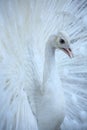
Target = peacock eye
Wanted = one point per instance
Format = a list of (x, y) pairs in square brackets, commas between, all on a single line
[(62, 41)]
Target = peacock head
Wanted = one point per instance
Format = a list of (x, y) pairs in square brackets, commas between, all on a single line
[(63, 43)]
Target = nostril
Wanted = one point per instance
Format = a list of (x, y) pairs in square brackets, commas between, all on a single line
[(69, 49)]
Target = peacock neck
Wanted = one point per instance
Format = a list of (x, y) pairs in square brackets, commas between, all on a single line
[(49, 62)]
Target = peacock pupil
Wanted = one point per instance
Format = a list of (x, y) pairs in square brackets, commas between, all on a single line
[(62, 41)]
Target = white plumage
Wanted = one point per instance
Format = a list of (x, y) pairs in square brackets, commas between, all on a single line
[(30, 99)]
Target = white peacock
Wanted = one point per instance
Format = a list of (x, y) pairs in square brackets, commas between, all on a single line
[(40, 87)]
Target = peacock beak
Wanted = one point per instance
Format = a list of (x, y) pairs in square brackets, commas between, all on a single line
[(68, 52)]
